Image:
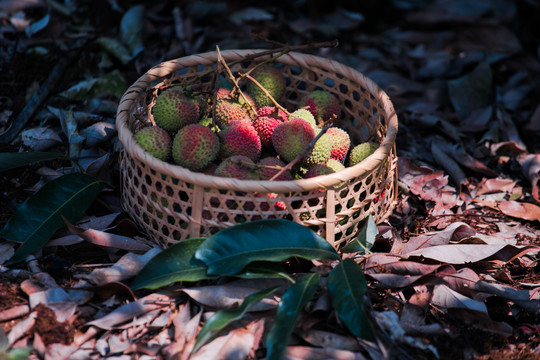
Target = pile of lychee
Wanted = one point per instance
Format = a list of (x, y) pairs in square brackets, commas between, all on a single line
[(244, 135)]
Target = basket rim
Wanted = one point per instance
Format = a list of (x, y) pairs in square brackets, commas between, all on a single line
[(163, 69)]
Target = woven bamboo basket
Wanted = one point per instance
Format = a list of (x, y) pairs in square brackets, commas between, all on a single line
[(172, 203)]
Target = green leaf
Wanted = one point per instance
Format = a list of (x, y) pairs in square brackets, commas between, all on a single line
[(13, 160), (365, 239), (38, 218), (289, 308), (472, 91), (230, 250), (347, 287), (222, 318), (264, 269), (131, 28), (176, 263), (110, 84)]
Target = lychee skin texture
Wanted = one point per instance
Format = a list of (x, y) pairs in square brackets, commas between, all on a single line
[(361, 151), (341, 142), (291, 138), (271, 111), (229, 111), (155, 141), (237, 166), (335, 165), (195, 146), (321, 151), (240, 138), (173, 110), (266, 173), (306, 115), (318, 170), (265, 126), (272, 80), (322, 105)]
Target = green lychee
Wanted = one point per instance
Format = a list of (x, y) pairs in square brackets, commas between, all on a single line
[(361, 151), (335, 165), (321, 151), (174, 110), (291, 138), (269, 166), (341, 143), (272, 80), (306, 115), (318, 170), (237, 166), (322, 104), (155, 141), (195, 146), (240, 138)]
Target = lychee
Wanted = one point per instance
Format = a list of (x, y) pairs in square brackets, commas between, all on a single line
[(321, 150), (272, 80), (335, 165), (291, 138), (229, 108), (237, 166), (240, 138), (265, 125), (318, 170), (228, 111), (155, 141), (322, 104), (195, 146), (269, 166), (173, 110), (306, 115), (361, 151), (341, 143)]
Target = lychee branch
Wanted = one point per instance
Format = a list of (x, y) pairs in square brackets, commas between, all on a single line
[(282, 51), (230, 75), (276, 104), (308, 148)]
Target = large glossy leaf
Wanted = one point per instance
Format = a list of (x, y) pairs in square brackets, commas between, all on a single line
[(13, 160), (365, 239), (176, 263), (37, 219), (347, 287), (222, 318), (290, 306), (229, 251)]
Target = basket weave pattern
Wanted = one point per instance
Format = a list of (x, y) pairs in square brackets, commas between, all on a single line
[(172, 203)]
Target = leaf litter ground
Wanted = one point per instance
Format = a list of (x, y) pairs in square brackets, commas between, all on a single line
[(467, 99)]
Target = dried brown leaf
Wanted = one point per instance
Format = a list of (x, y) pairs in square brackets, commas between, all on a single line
[(239, 343)]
